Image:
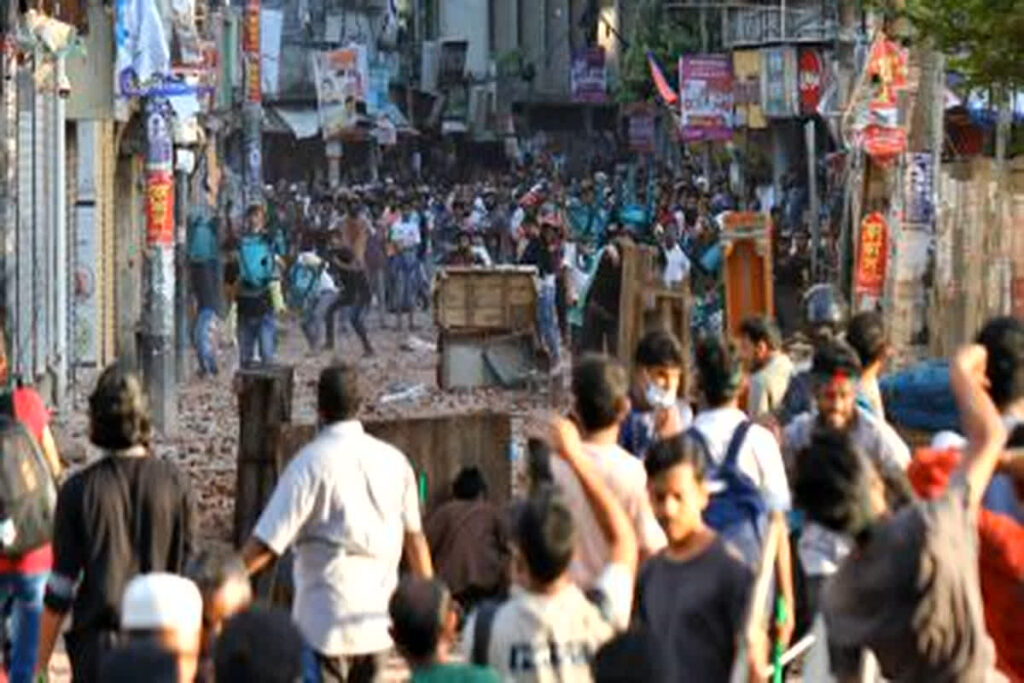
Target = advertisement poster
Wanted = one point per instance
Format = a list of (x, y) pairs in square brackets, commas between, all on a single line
[(377, 101), (641, 133), (746, 87), (342, 80), (159, 207), (919, 209), (811, 75), (588, 76), (872, 255), (778, 82), (874, 111), (706, 94)]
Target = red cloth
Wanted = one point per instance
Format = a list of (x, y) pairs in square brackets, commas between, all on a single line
[(1000, 558), (30, 410)]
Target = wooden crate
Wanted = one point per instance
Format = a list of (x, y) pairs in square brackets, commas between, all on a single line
[(747, 267), (502, 299), (646, 303)]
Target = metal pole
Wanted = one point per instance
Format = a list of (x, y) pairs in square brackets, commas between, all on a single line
[(8, 178), (181, 327), (158, 319), (60, 237), (812, 192)]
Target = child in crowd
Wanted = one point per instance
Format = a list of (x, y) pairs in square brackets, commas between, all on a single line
[(549, 630), (424, 626), (658, 410), (693, 594)]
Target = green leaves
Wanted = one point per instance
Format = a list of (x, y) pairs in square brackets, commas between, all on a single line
[(983, 38)]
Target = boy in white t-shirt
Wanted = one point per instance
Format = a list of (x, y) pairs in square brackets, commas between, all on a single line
[(548, 630)]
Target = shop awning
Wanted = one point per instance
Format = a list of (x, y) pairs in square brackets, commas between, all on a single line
[(302, 122)]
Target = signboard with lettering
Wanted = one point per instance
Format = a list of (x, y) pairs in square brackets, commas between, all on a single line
[(588, 75), (706, 94), (872, 256)]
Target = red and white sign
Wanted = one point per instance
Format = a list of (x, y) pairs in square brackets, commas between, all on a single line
[(810, 75)]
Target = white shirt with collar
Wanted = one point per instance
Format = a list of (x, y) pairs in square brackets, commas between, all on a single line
[(759, 456), (345, 503)]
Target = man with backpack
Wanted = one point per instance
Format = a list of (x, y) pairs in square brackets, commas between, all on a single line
[(744, 465), (203, 251), (257, 272), (26, 554)]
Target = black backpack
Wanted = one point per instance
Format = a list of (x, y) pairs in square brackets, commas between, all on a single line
[(28, 495)]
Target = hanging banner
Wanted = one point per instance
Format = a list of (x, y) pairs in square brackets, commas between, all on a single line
[(872, 256), (705, 91), (341, 82), (588, 75), (919, 207), (271, 25), (779, 97), (746, 88), (159, 208), (641, 133), (377, 99), (873, 116), (251, 51), (811, 72)]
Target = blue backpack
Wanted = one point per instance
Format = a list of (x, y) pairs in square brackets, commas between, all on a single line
[(202, 239), (255, 262), (741, 500), (302, 282)]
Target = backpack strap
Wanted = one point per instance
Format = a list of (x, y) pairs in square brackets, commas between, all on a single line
[(482, 627), (701, 440), (732, 453)]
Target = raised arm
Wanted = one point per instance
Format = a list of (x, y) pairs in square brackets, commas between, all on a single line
[(986, 435), (565, 440)]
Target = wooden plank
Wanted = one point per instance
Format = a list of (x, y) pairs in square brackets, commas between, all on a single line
[(264, 408), (437, 448)]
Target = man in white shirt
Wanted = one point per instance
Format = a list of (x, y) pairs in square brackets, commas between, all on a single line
[(348, 504), (548, 630), (730, 439), (601, 390)]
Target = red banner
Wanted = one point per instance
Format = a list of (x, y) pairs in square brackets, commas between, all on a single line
[(872, 255), (159, 208)]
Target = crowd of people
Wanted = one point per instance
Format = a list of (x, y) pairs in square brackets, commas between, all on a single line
[(639, 552), (332, 256)]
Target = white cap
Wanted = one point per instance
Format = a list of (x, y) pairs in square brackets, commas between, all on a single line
[(947, 440), (161, 601)]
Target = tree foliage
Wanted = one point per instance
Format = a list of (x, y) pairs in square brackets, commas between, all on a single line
[(653, 30), (984, 39)]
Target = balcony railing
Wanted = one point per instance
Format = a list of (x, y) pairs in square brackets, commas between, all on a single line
[(753, 26)]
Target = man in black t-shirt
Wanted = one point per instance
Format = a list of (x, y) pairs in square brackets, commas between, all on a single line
[(124, 514)]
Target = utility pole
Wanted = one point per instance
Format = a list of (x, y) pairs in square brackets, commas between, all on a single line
[(60, 269), (157, 338), (8, 164)]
